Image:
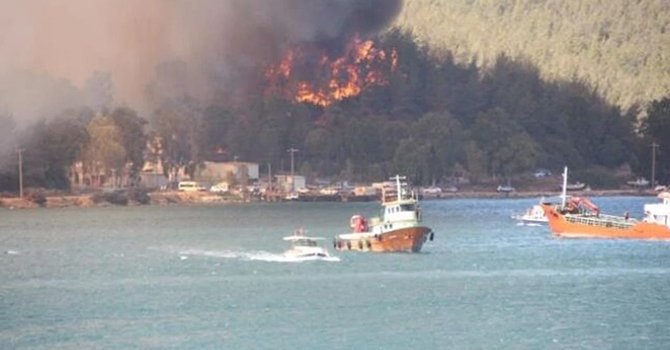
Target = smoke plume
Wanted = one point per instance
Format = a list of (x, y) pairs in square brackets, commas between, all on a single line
[(55, 54)]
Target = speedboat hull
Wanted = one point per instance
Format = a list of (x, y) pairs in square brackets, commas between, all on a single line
[(524, 219), (535, 215), (409, 239)]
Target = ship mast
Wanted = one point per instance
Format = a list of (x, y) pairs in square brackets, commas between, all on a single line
[(398, 187), (565, 186)]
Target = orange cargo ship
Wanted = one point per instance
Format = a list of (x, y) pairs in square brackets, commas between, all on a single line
[(579, 217), (398, 230), (575, 220)]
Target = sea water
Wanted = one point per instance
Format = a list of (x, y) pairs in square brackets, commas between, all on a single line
[(214, 277)]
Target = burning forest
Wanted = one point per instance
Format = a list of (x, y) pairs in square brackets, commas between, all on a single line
[(309, 75), (226, 79)]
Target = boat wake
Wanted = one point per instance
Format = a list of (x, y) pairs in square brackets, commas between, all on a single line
[(529, 224), (251, 256)]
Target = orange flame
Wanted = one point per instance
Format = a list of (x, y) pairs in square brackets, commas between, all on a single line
[(361, 66)]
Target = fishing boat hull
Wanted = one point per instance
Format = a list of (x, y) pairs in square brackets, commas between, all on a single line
[(409, 239), (594, 227)]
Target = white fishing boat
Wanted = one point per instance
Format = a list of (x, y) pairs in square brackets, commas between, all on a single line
[(399, 228), (305, 247)]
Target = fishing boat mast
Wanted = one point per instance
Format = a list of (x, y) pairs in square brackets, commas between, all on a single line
[(398, 185)]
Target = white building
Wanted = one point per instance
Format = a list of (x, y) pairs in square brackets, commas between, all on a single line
[(288, 183)]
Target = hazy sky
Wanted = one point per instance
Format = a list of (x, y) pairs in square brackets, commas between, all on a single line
[(71, 39)]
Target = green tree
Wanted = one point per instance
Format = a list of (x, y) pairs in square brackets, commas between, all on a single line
[(655, 128), (407, 83), (475, 160), (180, 130), (443, 138), (508, 148), (216, 122), (411, 159), (8, 170), (49, 149), (134, 139), (104, 154)]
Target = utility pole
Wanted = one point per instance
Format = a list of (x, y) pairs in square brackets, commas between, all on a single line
[(114, 178), (237, 169), (20, 152), (268, 190), (292, 151), (156, 159), (654, 146)]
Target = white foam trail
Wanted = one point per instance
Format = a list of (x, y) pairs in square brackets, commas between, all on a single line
[(529, 224), (13, 252), (252, 256)]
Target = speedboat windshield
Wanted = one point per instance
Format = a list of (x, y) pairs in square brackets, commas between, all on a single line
[(305, 242)]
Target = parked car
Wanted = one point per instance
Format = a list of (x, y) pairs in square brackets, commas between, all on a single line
[(170, 186), (542, 173), (431, 192), (451, 188), (188, 186), (505, 188), (221, 187)]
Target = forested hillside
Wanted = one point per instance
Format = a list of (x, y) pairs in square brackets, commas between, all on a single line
[(552, 88), (620, 47)]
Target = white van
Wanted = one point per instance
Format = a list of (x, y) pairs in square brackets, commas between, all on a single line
[(188, 186)]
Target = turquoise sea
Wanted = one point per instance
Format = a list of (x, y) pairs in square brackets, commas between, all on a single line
[(213, 277)]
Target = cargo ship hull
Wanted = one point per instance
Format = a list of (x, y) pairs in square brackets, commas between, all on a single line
[(575, 226)]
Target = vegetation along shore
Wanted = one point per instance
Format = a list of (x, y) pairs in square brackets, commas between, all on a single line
[(123, 198)]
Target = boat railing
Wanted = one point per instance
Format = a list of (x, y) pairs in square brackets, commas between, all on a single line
[(601, 220)]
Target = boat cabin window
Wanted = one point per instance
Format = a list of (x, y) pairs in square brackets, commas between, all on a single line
[(401, 208), (407, 207)]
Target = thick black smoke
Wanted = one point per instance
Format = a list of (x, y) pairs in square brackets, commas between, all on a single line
[(329, 24), (257, 33)]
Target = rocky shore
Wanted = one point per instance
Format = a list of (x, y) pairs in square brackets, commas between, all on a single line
[(201, 198)]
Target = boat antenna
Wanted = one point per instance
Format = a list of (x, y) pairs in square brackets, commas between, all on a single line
[(565, 185)]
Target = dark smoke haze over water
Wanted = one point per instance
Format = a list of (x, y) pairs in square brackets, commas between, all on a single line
[(49, 50)]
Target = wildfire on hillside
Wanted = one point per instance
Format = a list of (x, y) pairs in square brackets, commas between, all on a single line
[(309, 75)]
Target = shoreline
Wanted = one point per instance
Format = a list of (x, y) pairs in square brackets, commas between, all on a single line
[(203, 198), (539, 194)]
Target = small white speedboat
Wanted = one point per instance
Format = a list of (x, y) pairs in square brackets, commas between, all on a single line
[(534, 215), (306, 248)]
